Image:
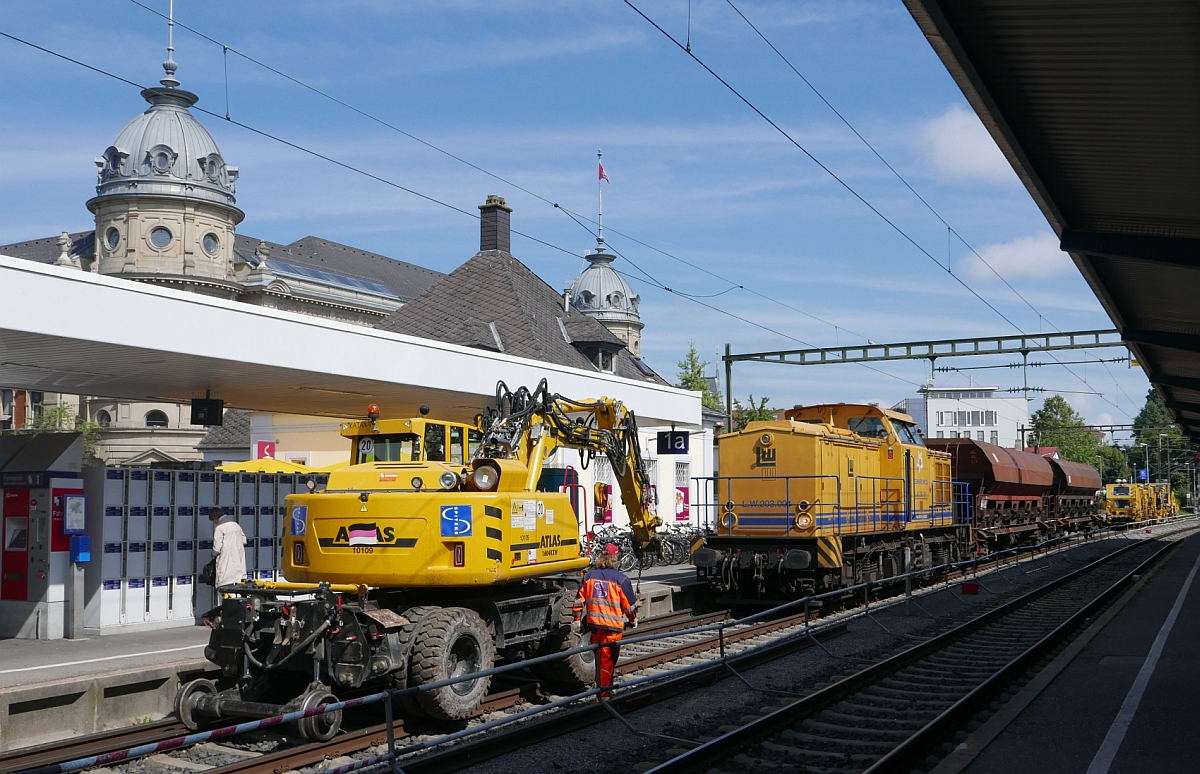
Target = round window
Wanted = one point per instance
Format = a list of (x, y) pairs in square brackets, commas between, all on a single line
[(211, 244), (162, 162), (160, 237), (112, 238)]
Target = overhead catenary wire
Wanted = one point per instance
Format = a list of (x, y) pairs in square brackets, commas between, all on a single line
[(692, 297), (849, 188), (499, 178), (952, 232)]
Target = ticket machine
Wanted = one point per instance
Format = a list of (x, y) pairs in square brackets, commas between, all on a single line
[(39, 511)]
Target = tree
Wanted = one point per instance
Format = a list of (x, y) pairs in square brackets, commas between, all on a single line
[(1154, 418), (61, 418), (691, 377), (1057, 424), (756, 411), (1114, 464)]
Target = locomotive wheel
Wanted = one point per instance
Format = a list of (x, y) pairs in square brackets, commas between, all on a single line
[(320, 728), (451, 642), (575, 673), (185, 703)]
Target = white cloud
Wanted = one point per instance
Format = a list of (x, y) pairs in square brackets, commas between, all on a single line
[(1036, 257), (961, 150)]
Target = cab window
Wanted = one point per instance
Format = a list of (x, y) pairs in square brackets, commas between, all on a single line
[(435, 442), (456, 444), (474, 438), (393, 447), (907, 433), (1120, 491), (867, 427)]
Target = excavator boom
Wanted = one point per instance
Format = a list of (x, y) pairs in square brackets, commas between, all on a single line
[(529, 425)]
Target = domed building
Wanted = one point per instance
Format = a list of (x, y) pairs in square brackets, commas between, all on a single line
[(165, 212), (603, 294), (164, 203)]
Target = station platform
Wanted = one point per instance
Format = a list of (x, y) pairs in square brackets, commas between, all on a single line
[(50, 689), (1124, 699)]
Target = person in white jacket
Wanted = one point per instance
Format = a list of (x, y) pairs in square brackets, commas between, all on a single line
[(229, 548)]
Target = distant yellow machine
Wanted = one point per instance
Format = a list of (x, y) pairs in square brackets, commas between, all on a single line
[(828, 496), (1126, 502)]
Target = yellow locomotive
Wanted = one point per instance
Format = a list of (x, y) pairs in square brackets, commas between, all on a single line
[(830, 495), (1126, 502)]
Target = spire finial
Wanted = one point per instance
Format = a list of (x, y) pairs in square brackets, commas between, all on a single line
[(170, 81), (600, 191)]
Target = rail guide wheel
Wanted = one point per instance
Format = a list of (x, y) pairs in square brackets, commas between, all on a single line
[(185, 703), (319, 728)]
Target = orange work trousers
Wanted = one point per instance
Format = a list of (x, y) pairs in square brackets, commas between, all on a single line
[(608, 656)]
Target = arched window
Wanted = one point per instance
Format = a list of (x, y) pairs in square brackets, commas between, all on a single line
[(103, 418), (156, 418)]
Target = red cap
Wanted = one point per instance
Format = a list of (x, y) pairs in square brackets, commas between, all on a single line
[(612, 549)]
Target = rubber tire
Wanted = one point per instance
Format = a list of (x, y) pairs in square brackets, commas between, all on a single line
[(183, 709), (321, 728), (450, 642), (572, 674)]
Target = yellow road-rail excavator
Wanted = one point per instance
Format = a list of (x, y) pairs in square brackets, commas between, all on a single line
[(439, 551)]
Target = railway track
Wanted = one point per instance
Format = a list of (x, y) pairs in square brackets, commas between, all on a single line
[(637, 660), (901, 714)]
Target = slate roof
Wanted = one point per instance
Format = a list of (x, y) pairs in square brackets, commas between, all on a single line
[(46, 250), (405, 280), (233, 434), (496, 288)]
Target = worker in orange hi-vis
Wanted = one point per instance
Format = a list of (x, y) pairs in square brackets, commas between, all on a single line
[(605, 601)]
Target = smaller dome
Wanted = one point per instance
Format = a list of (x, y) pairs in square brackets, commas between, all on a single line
[(601, 292), (166, 152)]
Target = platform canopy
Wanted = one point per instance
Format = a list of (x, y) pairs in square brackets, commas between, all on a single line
[(67, 331), (1095, 105)]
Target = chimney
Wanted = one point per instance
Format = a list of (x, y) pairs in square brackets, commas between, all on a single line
[(494, 225)]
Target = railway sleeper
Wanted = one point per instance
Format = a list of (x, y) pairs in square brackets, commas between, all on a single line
[(961, 671), (947, 685), (864, 747), (830, 756), (897, 694), (891, 704), (886, 720), (853, 731)]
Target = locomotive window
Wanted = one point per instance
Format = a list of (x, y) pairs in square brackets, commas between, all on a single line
[(435, 442), (394, 447), (907, 433), (1120, 491), (867, 427), (456, 444)]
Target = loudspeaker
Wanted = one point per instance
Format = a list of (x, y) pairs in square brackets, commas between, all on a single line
[(207, 411)]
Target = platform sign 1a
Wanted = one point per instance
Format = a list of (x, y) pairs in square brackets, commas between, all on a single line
[(1143, 474), (673, 442)]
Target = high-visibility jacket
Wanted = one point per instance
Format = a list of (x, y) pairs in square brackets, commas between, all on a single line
[(606, 599)]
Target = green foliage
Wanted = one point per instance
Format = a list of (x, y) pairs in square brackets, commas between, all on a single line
[(756, 411), (1154, 418), (1114, 464), (691, 377), (62, 418), (1057, 424)]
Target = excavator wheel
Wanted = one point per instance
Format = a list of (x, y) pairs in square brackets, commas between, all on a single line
[(574, 673), (451, 642)]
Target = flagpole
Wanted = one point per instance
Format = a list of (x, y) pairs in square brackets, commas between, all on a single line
[(600, 194)]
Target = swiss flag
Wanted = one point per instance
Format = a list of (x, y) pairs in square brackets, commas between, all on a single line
[(603, 175)]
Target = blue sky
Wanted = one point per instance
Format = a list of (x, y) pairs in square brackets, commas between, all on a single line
[(529, 91)]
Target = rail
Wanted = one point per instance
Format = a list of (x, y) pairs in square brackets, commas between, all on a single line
[(388, 697)]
